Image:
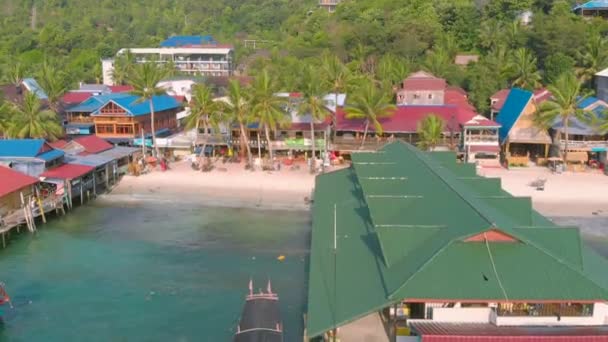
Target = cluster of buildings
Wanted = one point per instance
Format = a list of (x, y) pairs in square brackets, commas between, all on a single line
[(445, 255)]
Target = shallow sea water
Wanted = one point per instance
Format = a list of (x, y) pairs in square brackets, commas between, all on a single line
[(152, 272)]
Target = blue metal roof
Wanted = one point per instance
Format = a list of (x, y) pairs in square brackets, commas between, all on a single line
[(177, 41), (514, 105), (575, 126), (27, 148), (128, 102), (588, 101), (593, 5), (35, 88)]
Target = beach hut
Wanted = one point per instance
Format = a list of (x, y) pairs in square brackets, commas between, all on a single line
[(73, 179), (15, 187)]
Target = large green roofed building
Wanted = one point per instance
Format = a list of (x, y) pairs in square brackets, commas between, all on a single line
[(405, 225)]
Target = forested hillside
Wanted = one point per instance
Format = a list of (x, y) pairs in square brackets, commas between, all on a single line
[(74, 34)]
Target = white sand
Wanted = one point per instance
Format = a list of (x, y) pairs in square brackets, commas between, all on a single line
[(579, 194), (233, 187)]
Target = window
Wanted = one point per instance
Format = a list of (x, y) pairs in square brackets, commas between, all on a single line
[(416, 96), (124, 129), (105, 129), (430, 96)]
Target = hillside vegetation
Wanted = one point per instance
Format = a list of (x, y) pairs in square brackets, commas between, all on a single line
[(73, 35)]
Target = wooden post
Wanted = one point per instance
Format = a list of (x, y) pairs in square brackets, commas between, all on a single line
[(546, 150), (3, 241), (81, 191), (107, 177), (40, 205), (94, 185), (69, 193)]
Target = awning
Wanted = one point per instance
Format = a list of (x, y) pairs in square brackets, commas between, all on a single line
[(68, 171), (485, 332), (484, 148), (94, 160)]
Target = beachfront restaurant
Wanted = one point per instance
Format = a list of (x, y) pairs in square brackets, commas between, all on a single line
[(15, 189), (521, 139), (413, 246)]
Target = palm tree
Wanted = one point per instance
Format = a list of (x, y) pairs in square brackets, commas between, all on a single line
[(438, 63), (267, 108), (594, 57), (562, 106), (522, 66), (15, 74), (203, 110), (5, 112), (53, 83), (122, 67), (237, 108), (391, 70), (370, 103), (30, 120), (429, 131), (144, 78), (337, 77), (313, 104)]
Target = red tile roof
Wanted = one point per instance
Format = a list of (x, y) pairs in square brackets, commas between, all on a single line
[(76, 97), (179, 98), (542, 95), (480, 121), (93, 144), (120, 88), (499, 99), (423, 81), (67, 171), (405, 119), (13, 181), (457, 97)]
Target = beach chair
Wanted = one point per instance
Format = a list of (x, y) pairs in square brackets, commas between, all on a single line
[(539, 184)]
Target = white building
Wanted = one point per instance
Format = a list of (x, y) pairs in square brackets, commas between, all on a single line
[(194, 55)]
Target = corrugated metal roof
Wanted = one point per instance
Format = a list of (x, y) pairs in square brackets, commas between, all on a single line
[(401, 218), (514, 105), (489, 332), (177, 41), (119, 152), (35, 88), (28, 148), (94, 160), (588, 101), (93, 144), (593, 5), (68, 171), (13, 181)]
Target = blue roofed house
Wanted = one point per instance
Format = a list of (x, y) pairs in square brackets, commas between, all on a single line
[(521, 139), (584, 137), (594, 8), (29, 156), (121, 117)]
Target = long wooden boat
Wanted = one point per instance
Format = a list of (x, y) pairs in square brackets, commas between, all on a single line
[(261, 318), (4, 298)]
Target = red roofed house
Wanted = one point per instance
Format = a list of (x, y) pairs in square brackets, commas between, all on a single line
[(77, 179), (420, 95), (14, 186), (90, 144), (421, 88), (497, 101)]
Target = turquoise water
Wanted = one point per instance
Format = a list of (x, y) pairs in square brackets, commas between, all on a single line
[(151, 272)]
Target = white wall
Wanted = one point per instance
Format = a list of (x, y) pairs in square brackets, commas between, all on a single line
[(462, 315), (600, 317), (107, 68)]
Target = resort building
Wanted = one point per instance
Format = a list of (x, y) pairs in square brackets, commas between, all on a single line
[(601, 85), (497, 101), (329, 5), (593, 8), (29, 156), (194, 55), (421, 95), (445, 255), (522, 140), (121, 117)]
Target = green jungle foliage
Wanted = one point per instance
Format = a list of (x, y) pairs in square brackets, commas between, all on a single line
[(382, 38)]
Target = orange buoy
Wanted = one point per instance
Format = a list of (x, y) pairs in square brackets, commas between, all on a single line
[(281, 257)]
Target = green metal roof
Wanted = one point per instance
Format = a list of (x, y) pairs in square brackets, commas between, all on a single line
[(401, 218)]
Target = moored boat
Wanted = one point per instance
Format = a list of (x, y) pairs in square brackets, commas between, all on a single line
[(4, 298), (261, 317)]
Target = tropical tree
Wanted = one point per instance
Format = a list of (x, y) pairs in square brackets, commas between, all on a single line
[(15, 74), (337, 77), (593, 58), (53, 82), (5, 112), (391, 70), (144, 79), (370, 103), (429, 131), (267, 108), (237, 107), (563, 105), (313, 104), (523, 69), (203, 111), (122, 66), (438, 63), (31, 120)]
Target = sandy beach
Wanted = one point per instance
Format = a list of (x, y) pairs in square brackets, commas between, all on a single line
[(228, 185), (583, 194)]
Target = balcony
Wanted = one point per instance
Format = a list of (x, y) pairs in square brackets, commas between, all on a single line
[(587, 145), (485, 139), (508, 314)]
